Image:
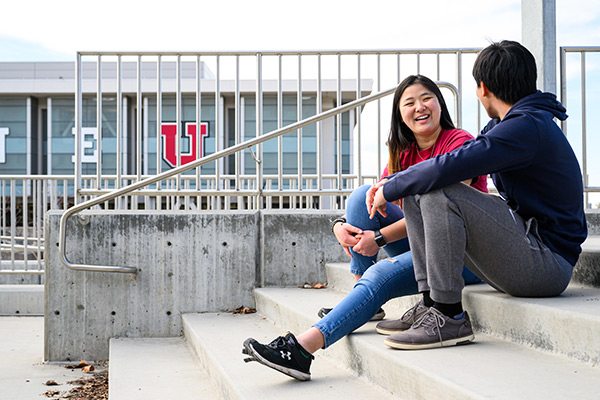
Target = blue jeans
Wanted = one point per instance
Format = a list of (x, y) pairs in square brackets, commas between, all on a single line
[(387, 279)]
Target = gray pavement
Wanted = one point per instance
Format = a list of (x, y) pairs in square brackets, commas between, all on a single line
[(23, 373)]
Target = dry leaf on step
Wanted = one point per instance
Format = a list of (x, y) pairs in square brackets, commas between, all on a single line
[(87, 369)]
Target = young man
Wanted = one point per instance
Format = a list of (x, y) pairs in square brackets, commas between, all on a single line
[(524, 243)]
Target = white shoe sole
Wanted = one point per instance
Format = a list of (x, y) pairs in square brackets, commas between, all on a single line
[(384, 331), (418, 346)]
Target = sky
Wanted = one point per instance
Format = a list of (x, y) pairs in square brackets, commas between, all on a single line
[(54, 31)]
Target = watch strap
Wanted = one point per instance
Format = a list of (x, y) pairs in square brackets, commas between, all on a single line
[(335, 221), (379, 239)]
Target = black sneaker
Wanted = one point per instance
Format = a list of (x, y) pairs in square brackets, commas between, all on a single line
[(283, 354), (379, 315)]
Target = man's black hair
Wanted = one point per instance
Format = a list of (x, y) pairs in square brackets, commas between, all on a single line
[(508, 70)]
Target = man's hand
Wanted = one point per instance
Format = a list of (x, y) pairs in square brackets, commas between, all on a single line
[(347, 234), (366, 246), (375, 200)]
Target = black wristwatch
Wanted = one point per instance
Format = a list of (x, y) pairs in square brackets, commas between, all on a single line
[(379, 239)]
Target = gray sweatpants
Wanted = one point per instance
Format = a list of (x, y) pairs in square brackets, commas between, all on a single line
[(460, 225)]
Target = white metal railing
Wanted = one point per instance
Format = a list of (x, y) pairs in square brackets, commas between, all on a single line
[(22, 232), (578, 61), (25, 200), (335, 76)]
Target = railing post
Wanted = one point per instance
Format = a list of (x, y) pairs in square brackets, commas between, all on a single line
[(259, 129), (78, 124)]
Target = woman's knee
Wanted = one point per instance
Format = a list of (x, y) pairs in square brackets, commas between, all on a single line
[(357, 198)]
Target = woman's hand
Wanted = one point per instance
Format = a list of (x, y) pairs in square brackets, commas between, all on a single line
[(347, 235), (366, 246), (375, 200)]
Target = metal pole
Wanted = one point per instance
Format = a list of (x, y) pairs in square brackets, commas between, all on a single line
[(138, 128), (279, 125), (218, 129), (358, 124), (259, 128), (459, 86), (199, 120), (583, 129), (158, 115), (339, 123), (379, 169), (78, 124), (319, 125), (299, 118), (99, 123), (178, 116), (119, 121), (237, 124), (563, 85)]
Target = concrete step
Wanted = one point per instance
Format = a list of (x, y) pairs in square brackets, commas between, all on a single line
[(156, 369), (566, 325), (21, 300), (587, 269), (218, 338), (489, 368)]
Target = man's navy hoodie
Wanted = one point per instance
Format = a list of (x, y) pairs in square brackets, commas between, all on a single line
[(531, 163)]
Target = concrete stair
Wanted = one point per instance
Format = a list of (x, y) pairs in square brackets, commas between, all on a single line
[(217, 340), (523, 349), (21, 300), (489, 368), (156, 368)]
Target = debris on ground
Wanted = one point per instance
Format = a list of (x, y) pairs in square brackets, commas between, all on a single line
[(93, 387), (81, 364), (244, 310), (314, 285), (88, 369), (52, 393), (51, 383)]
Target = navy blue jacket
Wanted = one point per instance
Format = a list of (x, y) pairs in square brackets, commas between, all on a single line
[(531, 163)]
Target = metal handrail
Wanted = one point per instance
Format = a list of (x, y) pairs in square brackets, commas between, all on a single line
[(194, 164)]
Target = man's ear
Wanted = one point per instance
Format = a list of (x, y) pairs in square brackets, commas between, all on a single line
[(485, 92)]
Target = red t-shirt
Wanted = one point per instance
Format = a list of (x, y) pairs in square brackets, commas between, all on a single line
[(447, 141)]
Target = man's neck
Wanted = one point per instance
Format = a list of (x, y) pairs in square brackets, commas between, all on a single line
[(503, 109)]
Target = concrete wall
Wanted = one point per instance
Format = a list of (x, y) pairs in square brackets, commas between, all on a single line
[(187, 262)]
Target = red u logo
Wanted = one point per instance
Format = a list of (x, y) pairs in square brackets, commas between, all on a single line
[(168, 133)]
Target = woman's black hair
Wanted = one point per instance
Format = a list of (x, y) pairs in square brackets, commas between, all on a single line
[(401, 137)]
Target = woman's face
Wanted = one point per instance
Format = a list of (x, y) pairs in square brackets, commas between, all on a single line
[(421, 111)]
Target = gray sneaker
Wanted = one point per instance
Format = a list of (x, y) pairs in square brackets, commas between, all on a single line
[(434, 329), (402, 324)]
